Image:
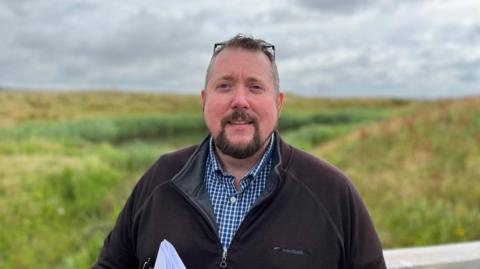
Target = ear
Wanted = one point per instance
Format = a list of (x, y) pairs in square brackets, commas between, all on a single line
[(203, 98), (203, 95), (280, 96)]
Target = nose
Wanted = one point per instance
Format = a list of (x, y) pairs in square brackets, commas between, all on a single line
[(240, 98)]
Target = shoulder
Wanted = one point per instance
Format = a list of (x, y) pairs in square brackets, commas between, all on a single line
[(174, 160), (159, 174), (167, 165), (312, 170), (321, 180), (336, 195)]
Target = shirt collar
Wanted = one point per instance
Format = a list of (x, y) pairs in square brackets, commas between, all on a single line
[(254, 170)]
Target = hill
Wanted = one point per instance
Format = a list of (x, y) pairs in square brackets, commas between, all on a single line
[(22, 106), (419, 173)]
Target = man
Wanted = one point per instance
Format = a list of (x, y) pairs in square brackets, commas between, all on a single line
[(243, 198)]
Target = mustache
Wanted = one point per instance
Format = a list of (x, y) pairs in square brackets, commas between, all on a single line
[(239, 115)]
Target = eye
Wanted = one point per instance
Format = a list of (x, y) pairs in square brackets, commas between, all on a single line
[(223, 86), (256, 88)]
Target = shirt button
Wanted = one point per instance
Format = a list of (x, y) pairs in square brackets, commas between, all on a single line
[(233, 199)]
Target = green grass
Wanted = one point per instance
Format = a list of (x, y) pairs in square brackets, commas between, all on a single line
[(419, 174), (306, 137), (24, 106), (114, 130), (68, 161), (306, 130), (53, 200)]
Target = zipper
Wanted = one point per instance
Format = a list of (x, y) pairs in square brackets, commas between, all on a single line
[(223, 263)]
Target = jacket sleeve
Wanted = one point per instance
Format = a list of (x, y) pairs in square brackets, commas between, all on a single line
[(364, 245), (118, 249)]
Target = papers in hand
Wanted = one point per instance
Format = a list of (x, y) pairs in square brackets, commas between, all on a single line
[(167, 257)]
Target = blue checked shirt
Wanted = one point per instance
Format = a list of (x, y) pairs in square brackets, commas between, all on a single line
[(229, 204)]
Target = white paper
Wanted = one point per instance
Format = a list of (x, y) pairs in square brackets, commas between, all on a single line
[(167, 257)]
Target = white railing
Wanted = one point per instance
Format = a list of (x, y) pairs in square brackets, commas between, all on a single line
[(451, 256)]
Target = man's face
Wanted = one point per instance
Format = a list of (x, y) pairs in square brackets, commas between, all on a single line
[(241, 106)]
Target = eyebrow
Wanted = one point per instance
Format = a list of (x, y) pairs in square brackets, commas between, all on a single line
[(231, 78), (226, 77), (252, 79)]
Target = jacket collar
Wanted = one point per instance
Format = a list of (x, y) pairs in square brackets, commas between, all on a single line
[(189, 180)]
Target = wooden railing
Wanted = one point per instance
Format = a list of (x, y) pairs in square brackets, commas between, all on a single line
[(451, 256)]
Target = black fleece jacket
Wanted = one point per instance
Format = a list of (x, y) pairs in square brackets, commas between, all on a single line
[(309, 216)]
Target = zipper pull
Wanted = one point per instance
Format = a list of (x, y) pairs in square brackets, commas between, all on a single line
[(146, 264), (223, 263)]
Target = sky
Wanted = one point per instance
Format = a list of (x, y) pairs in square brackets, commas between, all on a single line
[(363, 48)]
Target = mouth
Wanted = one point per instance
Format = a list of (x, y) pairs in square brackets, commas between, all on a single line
[(240, 119), (239, 122)]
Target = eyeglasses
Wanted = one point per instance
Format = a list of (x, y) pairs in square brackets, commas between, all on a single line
[(266, 47)]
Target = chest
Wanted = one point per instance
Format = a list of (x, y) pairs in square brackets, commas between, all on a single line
[(285, 231)]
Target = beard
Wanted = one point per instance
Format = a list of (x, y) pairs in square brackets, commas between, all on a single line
[(241, 150)]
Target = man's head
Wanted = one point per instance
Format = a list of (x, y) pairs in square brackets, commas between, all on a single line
[(241, 99), (250, 44)]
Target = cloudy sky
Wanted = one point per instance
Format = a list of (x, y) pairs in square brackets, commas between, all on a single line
[(408, 48)]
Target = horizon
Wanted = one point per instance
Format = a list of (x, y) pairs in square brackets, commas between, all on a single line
[(192, 93)]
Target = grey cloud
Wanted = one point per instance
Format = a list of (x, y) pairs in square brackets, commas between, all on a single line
[(334, 6), (140, 37), (397, 71), (366, 47), (144, 46)]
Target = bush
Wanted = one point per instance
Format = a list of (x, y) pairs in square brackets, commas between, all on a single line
[(331, 117), (107, 129)]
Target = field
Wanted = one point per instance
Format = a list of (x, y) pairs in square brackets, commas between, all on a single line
[(69, 160)]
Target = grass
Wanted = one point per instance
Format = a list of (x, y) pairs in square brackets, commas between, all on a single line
[(114, 130), (425, 187), (56, 194), (25, 106), (68, 161)]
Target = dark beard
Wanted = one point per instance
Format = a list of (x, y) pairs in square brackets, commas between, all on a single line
[(240, 151)]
